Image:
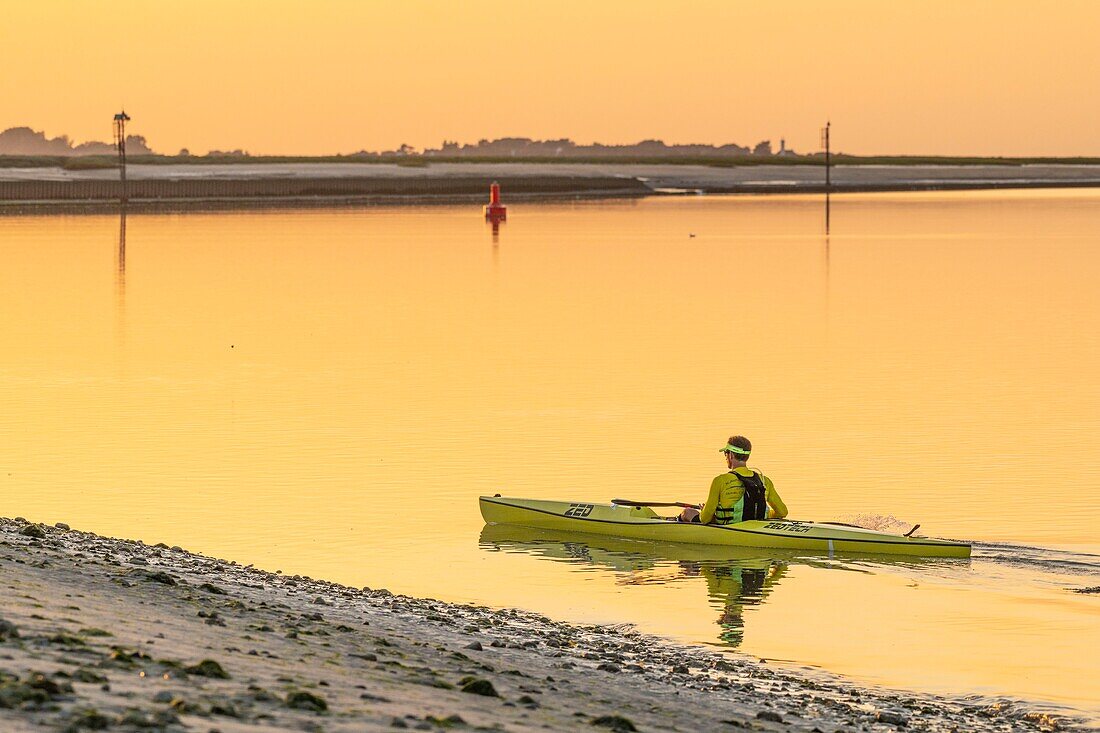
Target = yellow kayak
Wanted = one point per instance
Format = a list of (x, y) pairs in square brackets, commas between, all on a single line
[(642, 523)]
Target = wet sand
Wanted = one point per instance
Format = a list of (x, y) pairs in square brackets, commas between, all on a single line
[(108, 634)]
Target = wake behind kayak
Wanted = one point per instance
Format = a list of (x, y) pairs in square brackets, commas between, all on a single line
[(642, 523)]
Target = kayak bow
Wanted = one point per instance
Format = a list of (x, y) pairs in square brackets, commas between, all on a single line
[(642, 523)]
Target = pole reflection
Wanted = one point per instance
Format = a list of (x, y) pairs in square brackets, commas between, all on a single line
[(122, 248), (120, 276)]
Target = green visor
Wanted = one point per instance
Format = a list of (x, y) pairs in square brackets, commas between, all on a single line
[(733, 449)]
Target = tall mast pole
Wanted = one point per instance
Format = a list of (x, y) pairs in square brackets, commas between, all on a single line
[(120, 142)]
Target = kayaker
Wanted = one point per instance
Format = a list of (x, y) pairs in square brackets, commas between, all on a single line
[(739, 495)]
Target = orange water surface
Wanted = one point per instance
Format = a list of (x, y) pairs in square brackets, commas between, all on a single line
[(327, 392)]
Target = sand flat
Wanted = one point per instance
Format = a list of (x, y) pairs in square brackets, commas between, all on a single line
[(669, 176)]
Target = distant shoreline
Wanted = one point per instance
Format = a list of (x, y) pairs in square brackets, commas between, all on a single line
[(815, 160), (138, 206), (309, 184), (100, 206)]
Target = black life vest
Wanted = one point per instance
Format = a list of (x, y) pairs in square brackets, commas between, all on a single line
[(754, 504)]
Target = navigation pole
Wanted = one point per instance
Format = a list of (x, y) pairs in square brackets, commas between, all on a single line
[(120, 142)]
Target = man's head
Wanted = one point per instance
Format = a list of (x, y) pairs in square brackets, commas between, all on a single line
[(737, 450)]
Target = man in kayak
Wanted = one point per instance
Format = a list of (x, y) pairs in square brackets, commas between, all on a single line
[(739, 495)]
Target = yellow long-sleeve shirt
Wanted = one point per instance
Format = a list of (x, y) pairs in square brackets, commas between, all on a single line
[(727, 491)]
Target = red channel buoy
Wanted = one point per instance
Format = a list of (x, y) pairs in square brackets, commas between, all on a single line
[(495, 211)]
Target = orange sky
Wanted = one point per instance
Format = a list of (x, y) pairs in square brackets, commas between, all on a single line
[(289, 76)]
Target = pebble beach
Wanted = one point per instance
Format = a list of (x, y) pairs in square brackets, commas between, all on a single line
[(98, 633)]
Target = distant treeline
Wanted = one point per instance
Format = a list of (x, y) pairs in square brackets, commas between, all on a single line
[(23, 141), (523, 147), (25, 148), (26, 141), (93, 162)]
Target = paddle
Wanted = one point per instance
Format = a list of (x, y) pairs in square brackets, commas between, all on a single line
[(627, 502)]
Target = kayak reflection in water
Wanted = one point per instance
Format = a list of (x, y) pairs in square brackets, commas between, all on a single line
[(740, 495), (737, 578), (733, 587)]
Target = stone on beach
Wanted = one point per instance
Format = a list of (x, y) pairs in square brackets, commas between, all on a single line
[(123, 657), (8, 630), (451, 721), (617, 723), (35, 688), (225, 708), (143, 719), (87, 676), (34, 530), (87, 719), (207, 668), (67, 640), (893, 718), (153, 576), (302, 700), (92, 631), (480, 687)]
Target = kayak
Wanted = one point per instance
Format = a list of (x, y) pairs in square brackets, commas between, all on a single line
[(642, 523), (621, 554)]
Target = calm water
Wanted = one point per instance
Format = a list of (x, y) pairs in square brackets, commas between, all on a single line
[(327, 392)]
